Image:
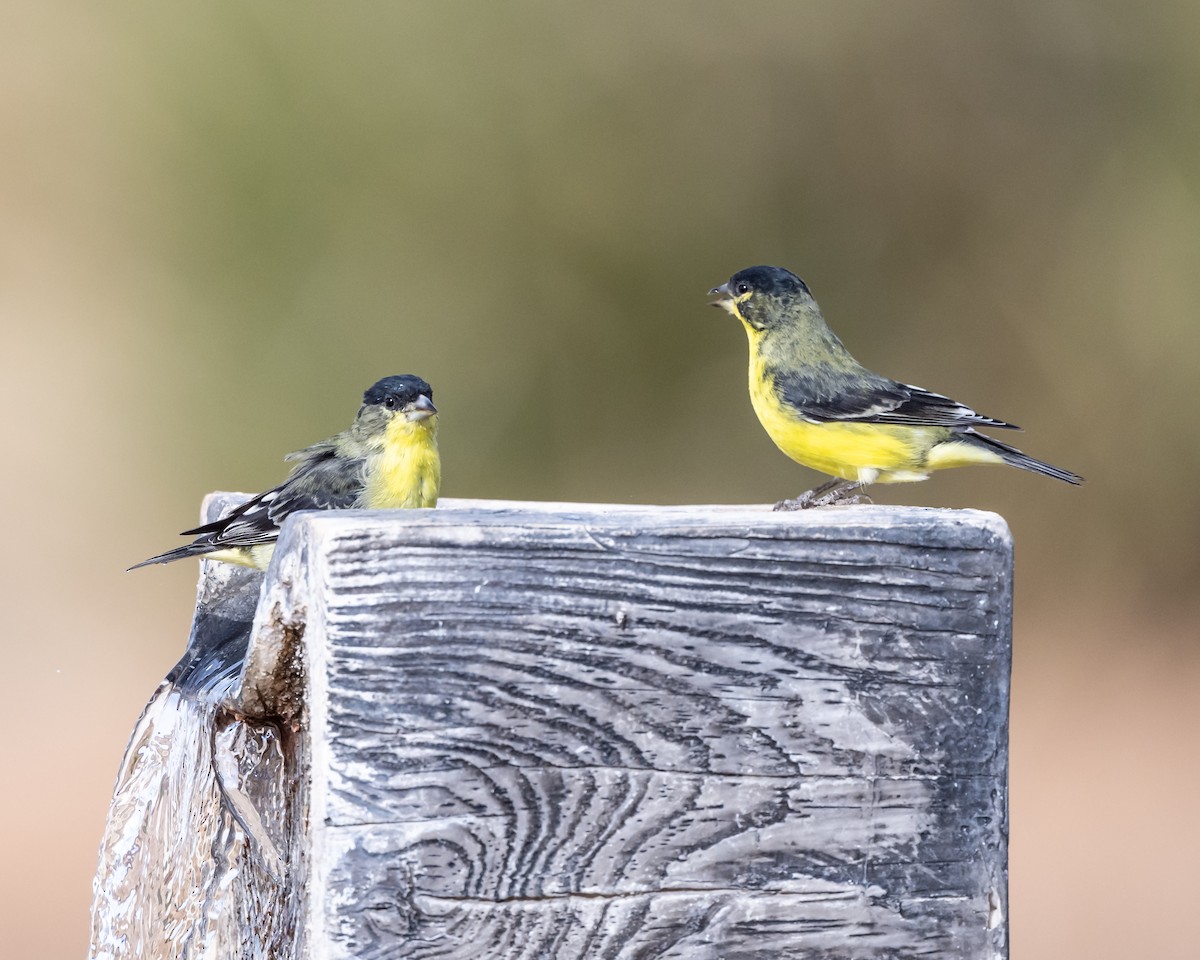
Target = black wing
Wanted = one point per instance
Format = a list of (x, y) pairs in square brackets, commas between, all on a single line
[(825, 398), (321, 481)]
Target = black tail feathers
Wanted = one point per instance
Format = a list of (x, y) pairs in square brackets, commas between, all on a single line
[(1015, 458), (179, 553)]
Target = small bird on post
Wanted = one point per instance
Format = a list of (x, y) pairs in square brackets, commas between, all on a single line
[(388, 458), (828, 412)]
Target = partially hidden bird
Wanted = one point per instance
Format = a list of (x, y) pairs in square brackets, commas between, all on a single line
[(826, 411), (388, 458)]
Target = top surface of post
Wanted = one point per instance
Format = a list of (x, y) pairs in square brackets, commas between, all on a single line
[(957, 544)]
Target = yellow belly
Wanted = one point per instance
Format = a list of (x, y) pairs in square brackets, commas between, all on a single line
[(408, 471), (869, 452), (257, 556)]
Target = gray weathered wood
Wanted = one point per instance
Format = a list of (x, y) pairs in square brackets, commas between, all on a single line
[(569, 731), (566, 731), (203, 824)]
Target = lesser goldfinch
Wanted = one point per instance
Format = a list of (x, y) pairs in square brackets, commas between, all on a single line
[(825, 410), (387, 459)]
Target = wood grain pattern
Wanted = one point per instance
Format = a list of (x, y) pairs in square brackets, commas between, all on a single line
[(561, 731), (201, 831)]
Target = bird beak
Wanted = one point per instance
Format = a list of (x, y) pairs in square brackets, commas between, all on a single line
[(420, 409), (723, 294)]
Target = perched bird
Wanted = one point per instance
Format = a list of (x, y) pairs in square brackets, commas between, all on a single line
[(825, 410), (388, 458)]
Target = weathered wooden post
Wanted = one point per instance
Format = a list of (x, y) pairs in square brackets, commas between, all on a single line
[(504, 730)]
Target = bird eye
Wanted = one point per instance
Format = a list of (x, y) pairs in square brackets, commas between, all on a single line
[(390, 403), (742, 287)]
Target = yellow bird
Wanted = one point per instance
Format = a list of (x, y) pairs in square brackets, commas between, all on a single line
[(387, 459), (827, 411)]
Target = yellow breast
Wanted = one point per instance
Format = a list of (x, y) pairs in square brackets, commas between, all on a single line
[(407, 472)]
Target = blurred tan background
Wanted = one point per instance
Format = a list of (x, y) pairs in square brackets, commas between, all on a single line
[(219, 223)]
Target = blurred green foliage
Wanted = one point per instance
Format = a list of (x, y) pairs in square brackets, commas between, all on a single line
[(525, 203)]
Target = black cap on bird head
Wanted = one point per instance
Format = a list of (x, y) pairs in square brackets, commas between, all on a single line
[(756, 294), (407, 393)]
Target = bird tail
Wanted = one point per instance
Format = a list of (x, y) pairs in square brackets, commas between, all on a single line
[(1014, 457), (194, 549)]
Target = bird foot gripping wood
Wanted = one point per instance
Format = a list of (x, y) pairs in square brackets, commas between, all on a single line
[(834, 493), (804, 502)]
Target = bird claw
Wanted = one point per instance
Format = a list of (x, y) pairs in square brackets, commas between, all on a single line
[(822, 498), (845, 500), (802, 502)]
